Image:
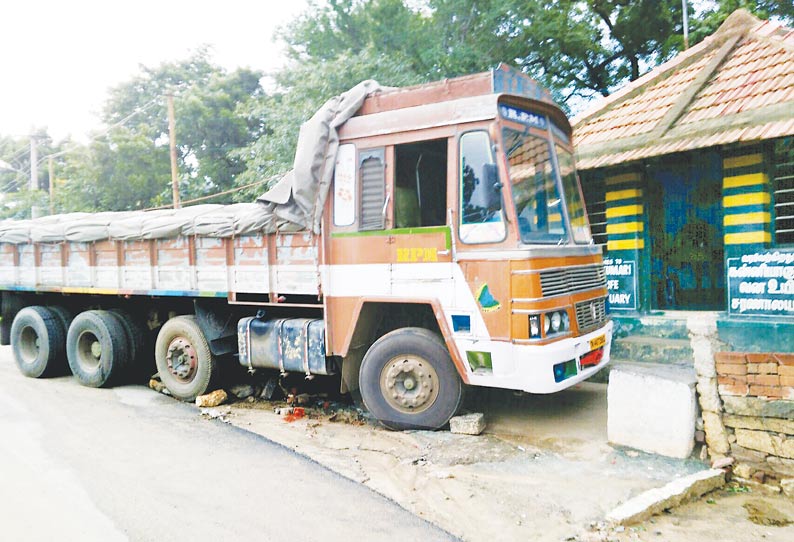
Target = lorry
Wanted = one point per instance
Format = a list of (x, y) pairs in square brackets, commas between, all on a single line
[(447, 246)]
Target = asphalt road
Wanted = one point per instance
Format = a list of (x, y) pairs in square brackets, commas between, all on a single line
[(130, 464)]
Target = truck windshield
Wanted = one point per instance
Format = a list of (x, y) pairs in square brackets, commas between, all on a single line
[(539, 204), (580, 227)]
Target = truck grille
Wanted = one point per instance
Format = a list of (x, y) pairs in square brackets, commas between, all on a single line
[(573, 279), (591, 314)]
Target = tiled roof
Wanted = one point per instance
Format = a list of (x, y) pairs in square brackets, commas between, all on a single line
[(735, 86)]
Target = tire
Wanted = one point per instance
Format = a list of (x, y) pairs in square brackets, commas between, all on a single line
[(97, 348), (141, 361), (37, 340), (408, 380), (184, 361), (65, 316)]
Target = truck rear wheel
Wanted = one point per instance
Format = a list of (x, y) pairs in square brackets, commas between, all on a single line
[(408, 381), (140, 357), (37, 340), (97, 348), (184, 361)]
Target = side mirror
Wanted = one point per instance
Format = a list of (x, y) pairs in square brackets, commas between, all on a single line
[(493, 188)]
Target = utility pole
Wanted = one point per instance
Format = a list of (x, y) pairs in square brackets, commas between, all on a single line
[(52, 185), (34, 164), (172, 144), (686, 24)]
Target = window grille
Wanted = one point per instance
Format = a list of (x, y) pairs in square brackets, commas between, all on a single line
[(594, 191), (783, 185)]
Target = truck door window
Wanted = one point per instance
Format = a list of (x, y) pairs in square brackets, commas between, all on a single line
[(345, 186), (481, 215), (373, 190), (420, 194)]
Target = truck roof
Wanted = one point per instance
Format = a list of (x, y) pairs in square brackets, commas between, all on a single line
[(449, 103), (503, 79)]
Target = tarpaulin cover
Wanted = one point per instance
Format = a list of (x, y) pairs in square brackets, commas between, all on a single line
[(295, 203), (300, 195)]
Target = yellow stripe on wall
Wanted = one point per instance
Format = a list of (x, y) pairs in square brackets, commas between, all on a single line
[(748, 238), (626, 244), (624, 194), (756, 198), (750, 179), (743, 161), (746, 218), (625, 210), (626, 227), (624, 178)]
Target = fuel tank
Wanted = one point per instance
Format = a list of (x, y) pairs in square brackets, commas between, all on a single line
[(285, 344)]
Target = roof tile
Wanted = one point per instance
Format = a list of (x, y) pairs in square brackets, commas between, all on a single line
[(758, 72)]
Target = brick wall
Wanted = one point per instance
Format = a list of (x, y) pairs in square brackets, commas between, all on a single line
[(755, 375), (757, 396)]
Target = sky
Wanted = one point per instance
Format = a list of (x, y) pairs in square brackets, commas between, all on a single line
[(58, 58)]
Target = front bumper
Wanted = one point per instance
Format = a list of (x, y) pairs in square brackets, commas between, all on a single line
[(530, 368)]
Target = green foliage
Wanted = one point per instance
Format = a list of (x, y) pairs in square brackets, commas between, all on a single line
[(302, 87), (129, 167), (716, 11), (18, 205), (122, 171)]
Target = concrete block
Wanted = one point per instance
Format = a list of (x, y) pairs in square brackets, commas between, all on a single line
[(468, 424), (671, 495), (652, 408)]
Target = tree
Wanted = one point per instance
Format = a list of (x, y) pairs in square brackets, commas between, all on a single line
[(119, 172), (712, 13), (301, 88), (209, 129)]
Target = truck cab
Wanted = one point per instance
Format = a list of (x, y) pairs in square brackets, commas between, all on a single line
[(456, 209)]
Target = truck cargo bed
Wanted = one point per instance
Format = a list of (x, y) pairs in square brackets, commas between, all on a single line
[(267, 264)]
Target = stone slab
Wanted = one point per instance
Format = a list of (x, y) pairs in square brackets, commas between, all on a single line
[(765, 442), (753, 406), (655, 501), (775, 425), (652, 408), (468, 424)]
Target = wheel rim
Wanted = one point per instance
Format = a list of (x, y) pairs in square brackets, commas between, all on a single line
[(89, 350), (409, 384), (182, 360), (28, 345)]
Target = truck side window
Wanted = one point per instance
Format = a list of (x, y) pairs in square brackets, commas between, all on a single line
[(481, 214), (373, 189), (420, 193)]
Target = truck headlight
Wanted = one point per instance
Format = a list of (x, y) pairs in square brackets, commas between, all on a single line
[(556, 322), (534, 326)]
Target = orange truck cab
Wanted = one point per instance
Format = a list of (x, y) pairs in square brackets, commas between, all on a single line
[(456, 209)]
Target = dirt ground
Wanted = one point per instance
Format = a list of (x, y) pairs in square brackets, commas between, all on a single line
[(543, 470)]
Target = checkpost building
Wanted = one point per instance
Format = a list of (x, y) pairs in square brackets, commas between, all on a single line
[(688, 174)]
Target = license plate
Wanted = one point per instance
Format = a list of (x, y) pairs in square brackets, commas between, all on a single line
[(598, 342)]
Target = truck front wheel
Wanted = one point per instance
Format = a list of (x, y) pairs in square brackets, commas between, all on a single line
[(37, 340), (408, 381), (184, 361)]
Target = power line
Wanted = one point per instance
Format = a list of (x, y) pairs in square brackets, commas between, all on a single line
[(107, 131), (224, 193)]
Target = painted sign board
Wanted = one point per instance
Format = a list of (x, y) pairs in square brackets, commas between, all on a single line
[(621, 283), (761, 284)]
